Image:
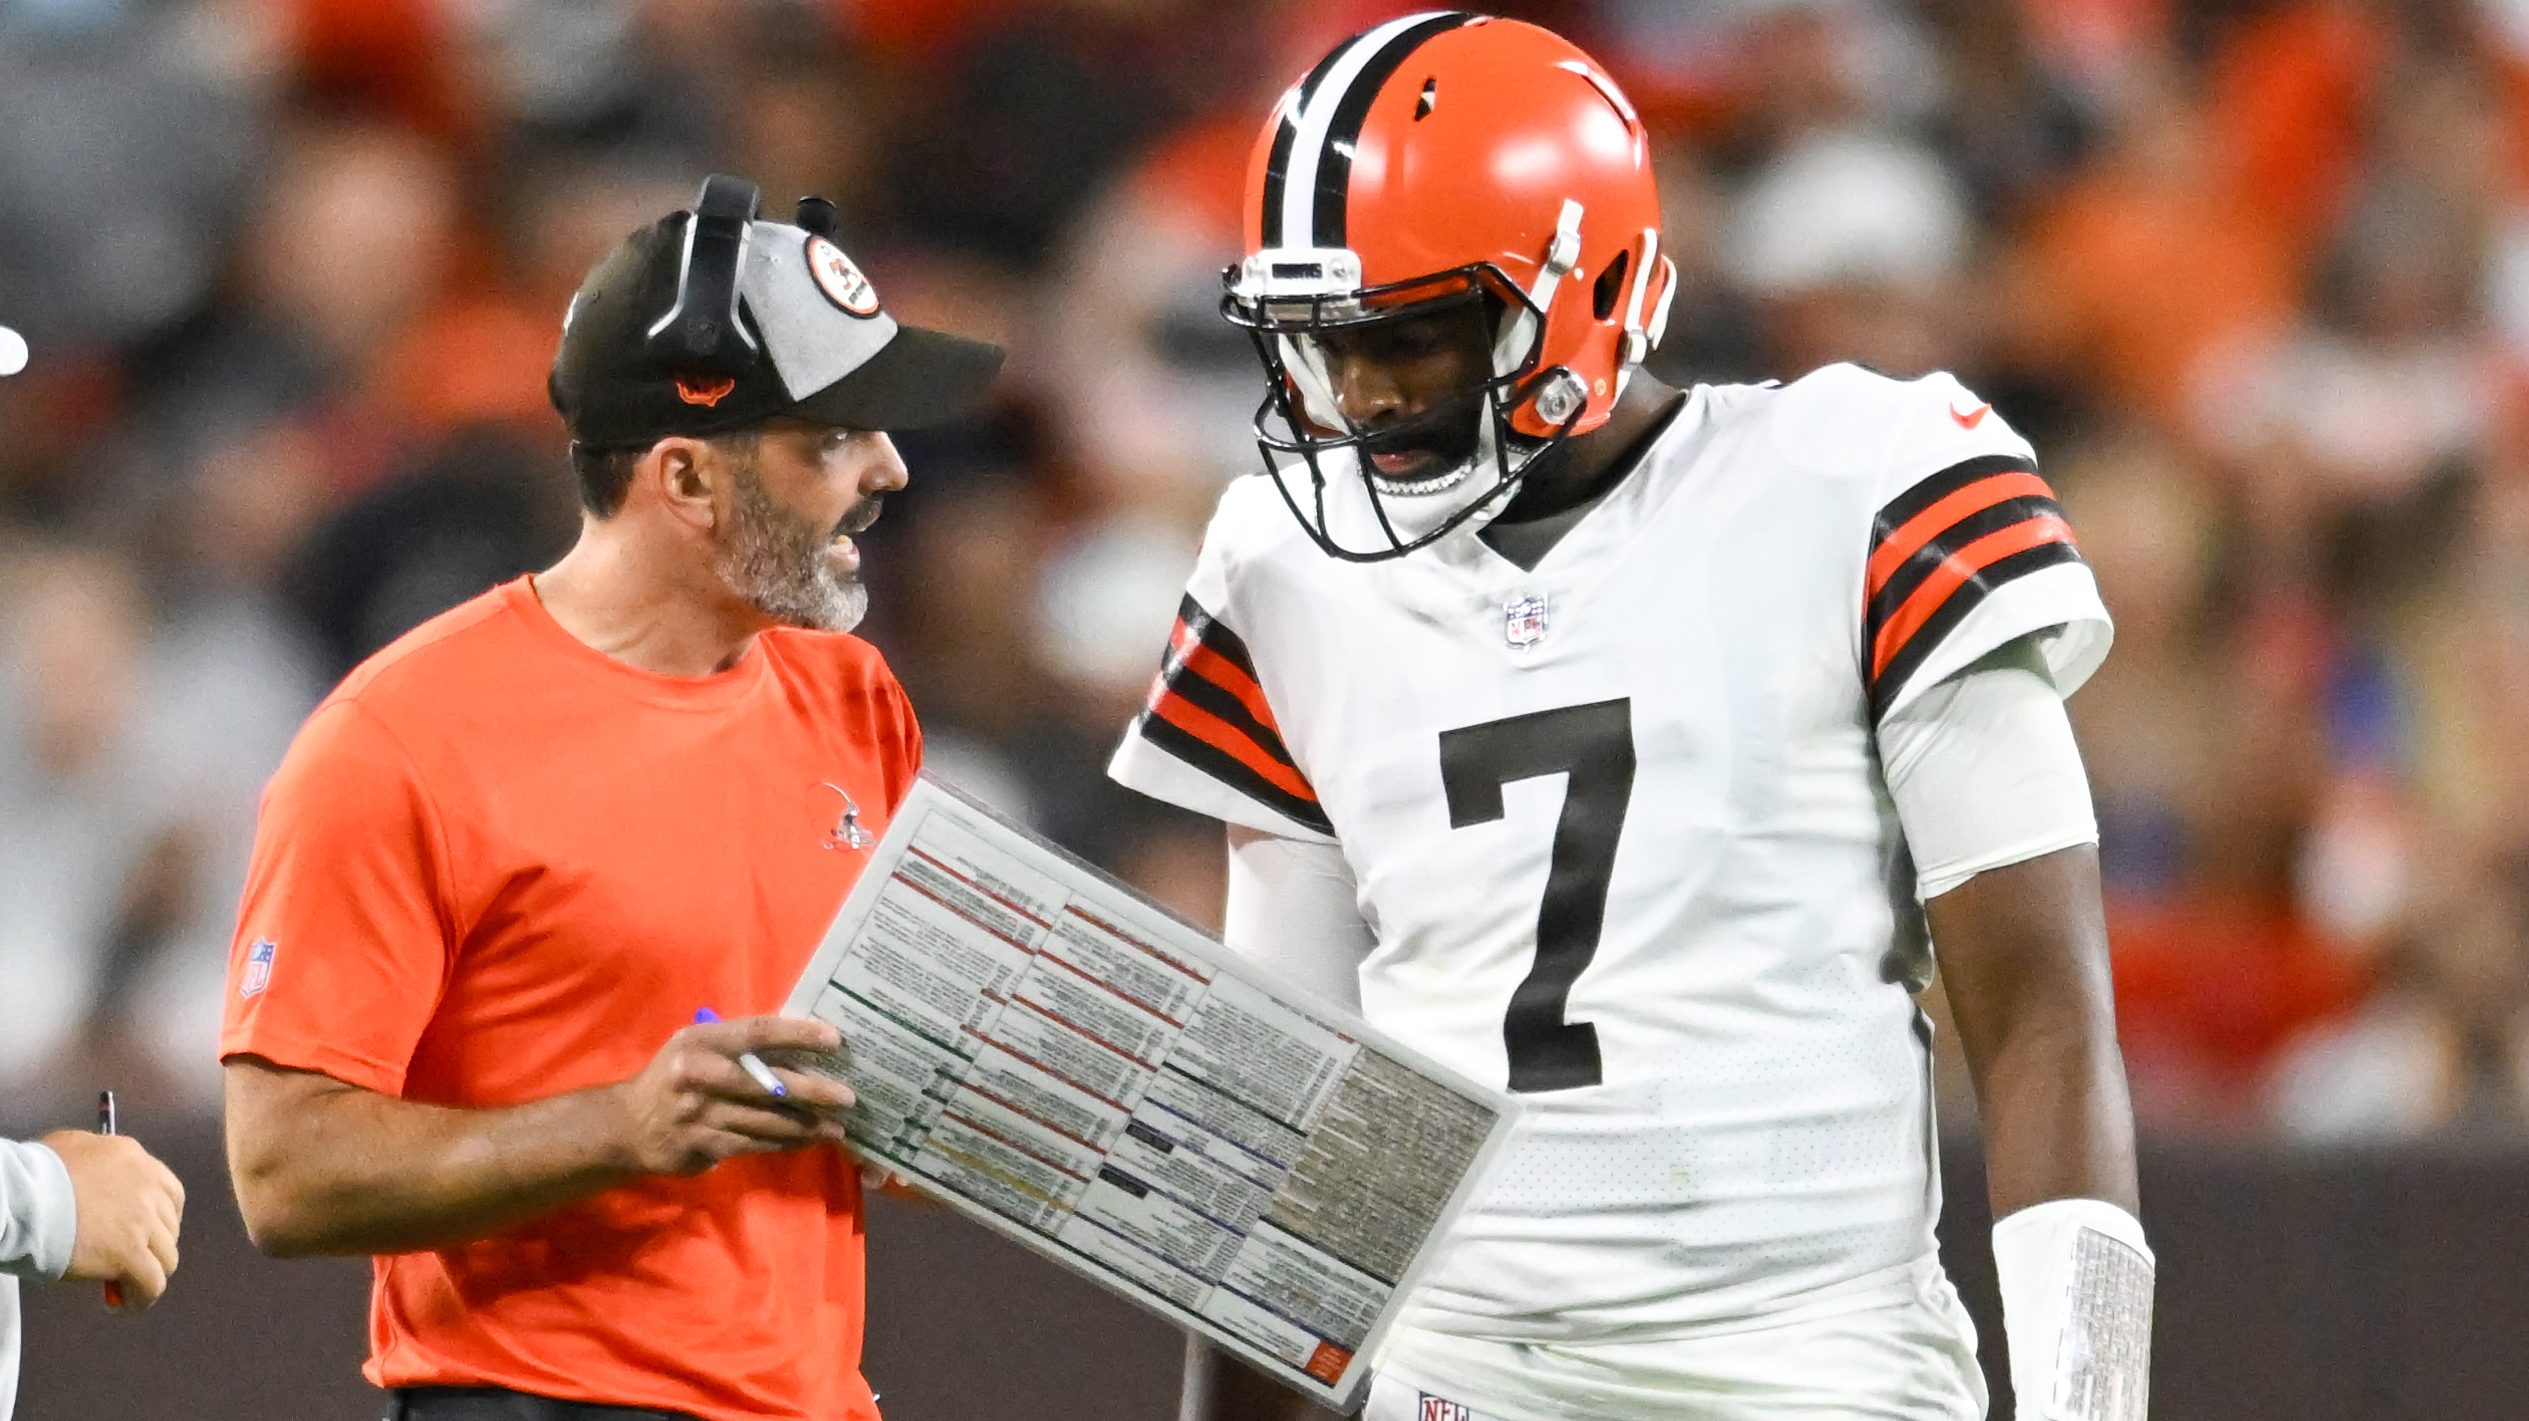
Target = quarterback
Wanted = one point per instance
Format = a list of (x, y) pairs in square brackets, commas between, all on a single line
[(1635, 749)]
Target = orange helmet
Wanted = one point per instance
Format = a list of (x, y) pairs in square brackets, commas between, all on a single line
[(1447, 159)]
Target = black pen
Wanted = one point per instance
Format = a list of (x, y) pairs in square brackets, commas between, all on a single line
[(105, 1126)]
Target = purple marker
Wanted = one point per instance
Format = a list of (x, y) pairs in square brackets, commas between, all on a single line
[(752, 1063)]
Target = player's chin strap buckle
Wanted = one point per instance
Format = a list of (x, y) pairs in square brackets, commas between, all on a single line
[(1559, 395)]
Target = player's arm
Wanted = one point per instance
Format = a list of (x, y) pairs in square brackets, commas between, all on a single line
[(1989, 786), (1291, 907), (322, 1166), (2024, 952)]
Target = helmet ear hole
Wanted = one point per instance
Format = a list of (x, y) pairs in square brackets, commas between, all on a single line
[(1611, 285)]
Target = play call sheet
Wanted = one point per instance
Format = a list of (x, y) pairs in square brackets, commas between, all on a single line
[(1065, 1062)]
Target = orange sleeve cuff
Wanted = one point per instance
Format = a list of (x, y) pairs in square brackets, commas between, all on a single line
[(296, 1052)]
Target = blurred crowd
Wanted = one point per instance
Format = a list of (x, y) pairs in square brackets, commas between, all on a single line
[(2254, 275)]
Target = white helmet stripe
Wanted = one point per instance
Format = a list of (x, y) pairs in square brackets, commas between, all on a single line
[(1317, 118)]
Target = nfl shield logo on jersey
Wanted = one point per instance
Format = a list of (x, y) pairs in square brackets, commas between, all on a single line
[(1524, 621), (258, 967), (1440, 1408)]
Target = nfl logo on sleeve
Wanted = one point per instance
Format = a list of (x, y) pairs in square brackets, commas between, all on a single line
[(258, 967), (1524, 621), (1440, 1408)]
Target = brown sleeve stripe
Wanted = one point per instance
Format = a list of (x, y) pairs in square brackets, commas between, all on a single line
[(1207, 630), (1924, 492), (1189, 657), (1940, 549), (1889, 598), (1894, 542), (1207, 709)]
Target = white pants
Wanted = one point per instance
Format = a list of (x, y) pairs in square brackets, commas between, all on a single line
[(1910, 1361)]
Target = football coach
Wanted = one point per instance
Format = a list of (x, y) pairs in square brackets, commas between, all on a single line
[(516, 863)]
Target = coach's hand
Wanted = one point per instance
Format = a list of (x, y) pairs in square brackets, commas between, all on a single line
[(694, 1105), (130, 1207)]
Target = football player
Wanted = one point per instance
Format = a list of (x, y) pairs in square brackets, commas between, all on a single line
[(1631, 748)]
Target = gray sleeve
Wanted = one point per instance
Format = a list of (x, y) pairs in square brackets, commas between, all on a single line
[(1292, 907), (1984, 771), (39, 1217)]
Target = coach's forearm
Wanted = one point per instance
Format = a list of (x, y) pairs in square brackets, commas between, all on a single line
[(2024, 952), (321, 1167)]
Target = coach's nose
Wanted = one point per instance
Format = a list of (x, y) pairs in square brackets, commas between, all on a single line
[(882, 468)]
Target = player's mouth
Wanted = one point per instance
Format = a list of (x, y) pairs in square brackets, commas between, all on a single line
[(1405, 465), (1423, 452)]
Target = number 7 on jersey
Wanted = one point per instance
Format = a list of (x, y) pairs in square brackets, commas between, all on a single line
[(1593, 746)]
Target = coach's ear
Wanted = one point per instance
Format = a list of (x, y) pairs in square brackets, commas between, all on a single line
[(688, 477)]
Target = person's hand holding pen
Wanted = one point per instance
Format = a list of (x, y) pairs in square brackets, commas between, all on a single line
[(708, 1095), (130, 1208)]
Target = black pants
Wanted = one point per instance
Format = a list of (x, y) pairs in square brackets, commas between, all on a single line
[(491, 1403)]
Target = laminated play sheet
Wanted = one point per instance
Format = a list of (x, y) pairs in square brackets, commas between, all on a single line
[(1049, 1053)]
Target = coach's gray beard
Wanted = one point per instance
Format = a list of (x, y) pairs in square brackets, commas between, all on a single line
[(777, 562)]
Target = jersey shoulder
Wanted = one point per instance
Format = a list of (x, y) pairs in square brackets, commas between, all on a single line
[(838, 661), (1867, 435), (1252, 532), (475, 654), (1207, 737), (838, 679), (1951, 534), (1258, 569)]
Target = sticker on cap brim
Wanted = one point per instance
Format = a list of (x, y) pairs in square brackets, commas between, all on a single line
[(841, 281)]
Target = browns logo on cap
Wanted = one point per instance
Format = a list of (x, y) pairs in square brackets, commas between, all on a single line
[(842, 282)]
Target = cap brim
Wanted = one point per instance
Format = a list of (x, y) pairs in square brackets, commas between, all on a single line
[(919, 378)]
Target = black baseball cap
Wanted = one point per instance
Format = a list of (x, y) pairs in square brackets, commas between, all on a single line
[(822, 347)]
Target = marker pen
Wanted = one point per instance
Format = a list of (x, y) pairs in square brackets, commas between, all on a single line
[(105, 1126), (753, 1064)]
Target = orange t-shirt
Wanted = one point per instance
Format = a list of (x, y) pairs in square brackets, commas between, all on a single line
[(499, 865)]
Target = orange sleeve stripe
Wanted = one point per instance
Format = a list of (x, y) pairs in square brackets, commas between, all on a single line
[(1224, 673), (1956, 570), (1185, 715), (1922, 528)]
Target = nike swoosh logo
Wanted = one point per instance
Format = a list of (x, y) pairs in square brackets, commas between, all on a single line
[(1969, 419)]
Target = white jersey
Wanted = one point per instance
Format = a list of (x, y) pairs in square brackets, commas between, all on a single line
[(1619, 830)]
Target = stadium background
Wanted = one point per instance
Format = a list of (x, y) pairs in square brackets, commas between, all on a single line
[(2254, 275)]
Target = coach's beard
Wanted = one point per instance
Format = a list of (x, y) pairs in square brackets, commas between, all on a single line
[(791, 569)]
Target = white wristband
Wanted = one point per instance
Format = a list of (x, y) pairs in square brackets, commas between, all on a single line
[(2076, 1309)]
